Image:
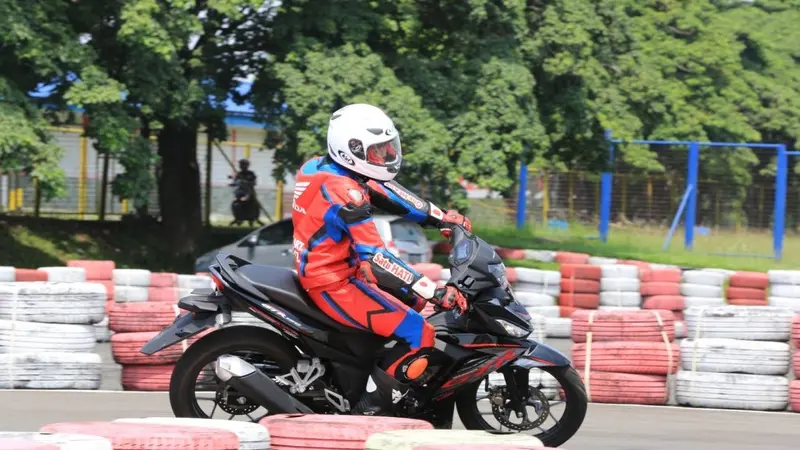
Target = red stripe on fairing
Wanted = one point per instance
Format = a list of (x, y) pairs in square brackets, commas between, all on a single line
[(491, 345)]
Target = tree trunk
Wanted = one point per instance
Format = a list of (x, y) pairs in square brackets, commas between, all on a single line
[(179, 187)]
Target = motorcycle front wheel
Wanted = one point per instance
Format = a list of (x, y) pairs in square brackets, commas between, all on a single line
[(572, 392)]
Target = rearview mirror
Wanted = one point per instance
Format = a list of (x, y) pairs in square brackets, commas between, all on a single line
[(252, 240)]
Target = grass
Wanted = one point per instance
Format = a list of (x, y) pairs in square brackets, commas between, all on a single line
[(26, 242), (721, 249), (29, 242)]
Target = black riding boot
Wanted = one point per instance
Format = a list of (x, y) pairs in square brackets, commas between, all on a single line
[(382, 394)]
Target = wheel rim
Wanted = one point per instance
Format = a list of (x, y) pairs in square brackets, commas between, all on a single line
[(219, 398), (542, 419)]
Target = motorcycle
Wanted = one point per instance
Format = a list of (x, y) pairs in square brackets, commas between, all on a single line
[(245, 206), (308, 363)]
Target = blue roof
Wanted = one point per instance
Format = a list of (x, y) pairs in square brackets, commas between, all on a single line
[(237, 115)]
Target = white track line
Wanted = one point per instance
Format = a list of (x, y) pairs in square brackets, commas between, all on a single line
[(593, 405)]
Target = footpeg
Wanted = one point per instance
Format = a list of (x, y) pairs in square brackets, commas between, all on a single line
[(253, 384)]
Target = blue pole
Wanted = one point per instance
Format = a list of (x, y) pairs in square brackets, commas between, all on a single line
[(691, 182), (677, 218), (522, 195), (779, 221), (606, 185)]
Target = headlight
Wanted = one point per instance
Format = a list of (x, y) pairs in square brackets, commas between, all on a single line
[(512, 329)]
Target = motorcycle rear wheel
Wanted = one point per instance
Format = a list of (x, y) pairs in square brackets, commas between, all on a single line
[(571, 420), (182, 386)]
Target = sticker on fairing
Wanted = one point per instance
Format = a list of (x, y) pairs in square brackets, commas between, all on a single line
[(419, 204), (393, 268)]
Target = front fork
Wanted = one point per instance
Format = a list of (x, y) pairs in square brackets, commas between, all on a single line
[(518, 386)]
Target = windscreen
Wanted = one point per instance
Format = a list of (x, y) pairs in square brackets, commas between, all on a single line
[(407, 231)]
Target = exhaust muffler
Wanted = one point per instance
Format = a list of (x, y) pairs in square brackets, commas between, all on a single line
[(256, 386)]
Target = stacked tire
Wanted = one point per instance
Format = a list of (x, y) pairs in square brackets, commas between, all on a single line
[(100, 272), (784, 289), (794, 385), (580, 287), (661, 289), (735, 357), (619, 288), (747, 289), (625, 356), (47, 337), (292, 431), (135, 320), (703, 287), (537, 290)]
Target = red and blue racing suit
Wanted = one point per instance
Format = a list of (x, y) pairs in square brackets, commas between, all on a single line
[(342, 262)]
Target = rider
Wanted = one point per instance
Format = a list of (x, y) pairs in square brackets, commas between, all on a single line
[(244, 173), (341, 259)]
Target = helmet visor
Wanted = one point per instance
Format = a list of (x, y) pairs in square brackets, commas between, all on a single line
[(386, 154)]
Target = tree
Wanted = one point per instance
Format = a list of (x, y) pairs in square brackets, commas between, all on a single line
[(37, 45), (165, 68)]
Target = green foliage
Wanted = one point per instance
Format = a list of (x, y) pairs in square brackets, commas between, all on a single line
[(25, 144), (476, 87)]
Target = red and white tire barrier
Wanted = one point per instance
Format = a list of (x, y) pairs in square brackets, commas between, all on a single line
[(703, 287), (476, 447), (580, 287), (661, 289), (47, 338), (251, 436), (619, 288), (10, 440), (146, 436), (729, 362), (747, 289), (625, 356), (784, 289), (571, 258), (794, 395), (134, 324), (291, 431), (510, 253), (537, 291), (411, 439), (99, 272)]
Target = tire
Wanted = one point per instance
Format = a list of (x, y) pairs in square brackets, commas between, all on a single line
[(619, 271), (704, 278), (540, 255), (571, 421), (602, 261), (215, 344)]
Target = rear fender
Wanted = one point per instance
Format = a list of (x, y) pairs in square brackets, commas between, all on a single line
[(540, 355), (185, 326)]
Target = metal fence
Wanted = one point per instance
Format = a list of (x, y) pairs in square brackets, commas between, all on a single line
[(83, 167), (736, 199)]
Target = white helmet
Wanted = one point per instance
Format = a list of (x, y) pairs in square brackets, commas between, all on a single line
[(363, 139)]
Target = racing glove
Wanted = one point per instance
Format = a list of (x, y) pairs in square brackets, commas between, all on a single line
[(453, 216), (449, 297)]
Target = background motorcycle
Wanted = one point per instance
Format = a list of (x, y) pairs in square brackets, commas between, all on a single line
[(309, 363), (245, 207)]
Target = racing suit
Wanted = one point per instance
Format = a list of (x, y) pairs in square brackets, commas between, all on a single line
[(344, 266)]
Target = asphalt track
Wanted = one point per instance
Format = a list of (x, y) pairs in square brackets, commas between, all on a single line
[(607, 427)]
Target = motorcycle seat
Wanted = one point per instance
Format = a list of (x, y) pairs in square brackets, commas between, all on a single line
[(282, 286)]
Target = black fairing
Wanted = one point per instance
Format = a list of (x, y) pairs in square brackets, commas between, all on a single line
[(470, 261), (490, 296)]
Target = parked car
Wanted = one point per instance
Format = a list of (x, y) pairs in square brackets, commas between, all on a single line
[(272, 244)]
